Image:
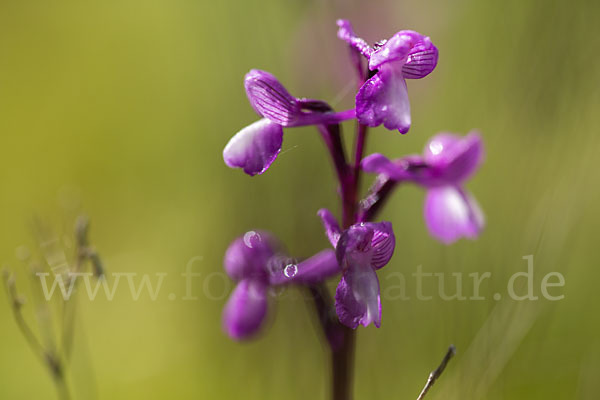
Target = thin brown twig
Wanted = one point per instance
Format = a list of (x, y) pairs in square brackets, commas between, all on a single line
[(46, 357), (55, 355), (16, 303), (433, 376), (69, 307)]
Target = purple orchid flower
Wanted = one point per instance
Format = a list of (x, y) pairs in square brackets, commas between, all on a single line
[(256, 146), (448, 161), (361, 249), (256, 261), (383, 99)]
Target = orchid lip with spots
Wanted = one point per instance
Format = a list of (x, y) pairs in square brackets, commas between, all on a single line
[(360, 245)]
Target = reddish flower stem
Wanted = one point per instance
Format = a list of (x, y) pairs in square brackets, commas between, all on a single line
[(343, 343)]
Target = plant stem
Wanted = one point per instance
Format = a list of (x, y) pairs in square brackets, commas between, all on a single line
[(342, 358), (333, 141), (62, 388), (341, 339), (361, 137), (376, 199), (326, 314), (47, 357), (434, 375), (342, 366), (327, 118)]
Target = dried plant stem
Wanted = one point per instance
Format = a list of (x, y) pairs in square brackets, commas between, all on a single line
[(62, 388), (16, 305), (49, 359), (68, 330), (433, 376)]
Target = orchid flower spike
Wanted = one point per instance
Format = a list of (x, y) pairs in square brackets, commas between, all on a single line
[(361, 249), (383, 99), (256, 261), (256, 146), (448, 161)]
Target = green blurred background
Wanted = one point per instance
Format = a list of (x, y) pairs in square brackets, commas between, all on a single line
[(121, 109)]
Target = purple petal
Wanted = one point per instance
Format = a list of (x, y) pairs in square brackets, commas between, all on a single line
[(346, 33), (380, 164), (270, 99), (383, 243), (248, 255), (255, 147), (396, 49), (354, 245), (422, 59), (357, 298), (370, 243), (383, 99), (452, 213), (332, 228), (245, 310), (316, 269), (454, 158)]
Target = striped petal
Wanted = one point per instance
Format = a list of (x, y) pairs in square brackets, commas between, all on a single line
[(382, 244), (369, 243), (396, 49), (422, 59), (270, 99)]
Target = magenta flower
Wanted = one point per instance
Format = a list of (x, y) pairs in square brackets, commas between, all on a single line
[(256, 146), (256, 261), (360, 250), (383, 99), (448, 161)]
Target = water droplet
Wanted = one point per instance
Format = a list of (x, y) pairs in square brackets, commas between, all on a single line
[(290, 270), (436, 148), (251, 238)]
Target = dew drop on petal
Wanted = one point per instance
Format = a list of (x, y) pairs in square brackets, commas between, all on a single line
[(290, 270), (251, 238), (436, 147)]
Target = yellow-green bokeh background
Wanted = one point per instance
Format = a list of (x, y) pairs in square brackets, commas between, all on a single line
[(121, 109)]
